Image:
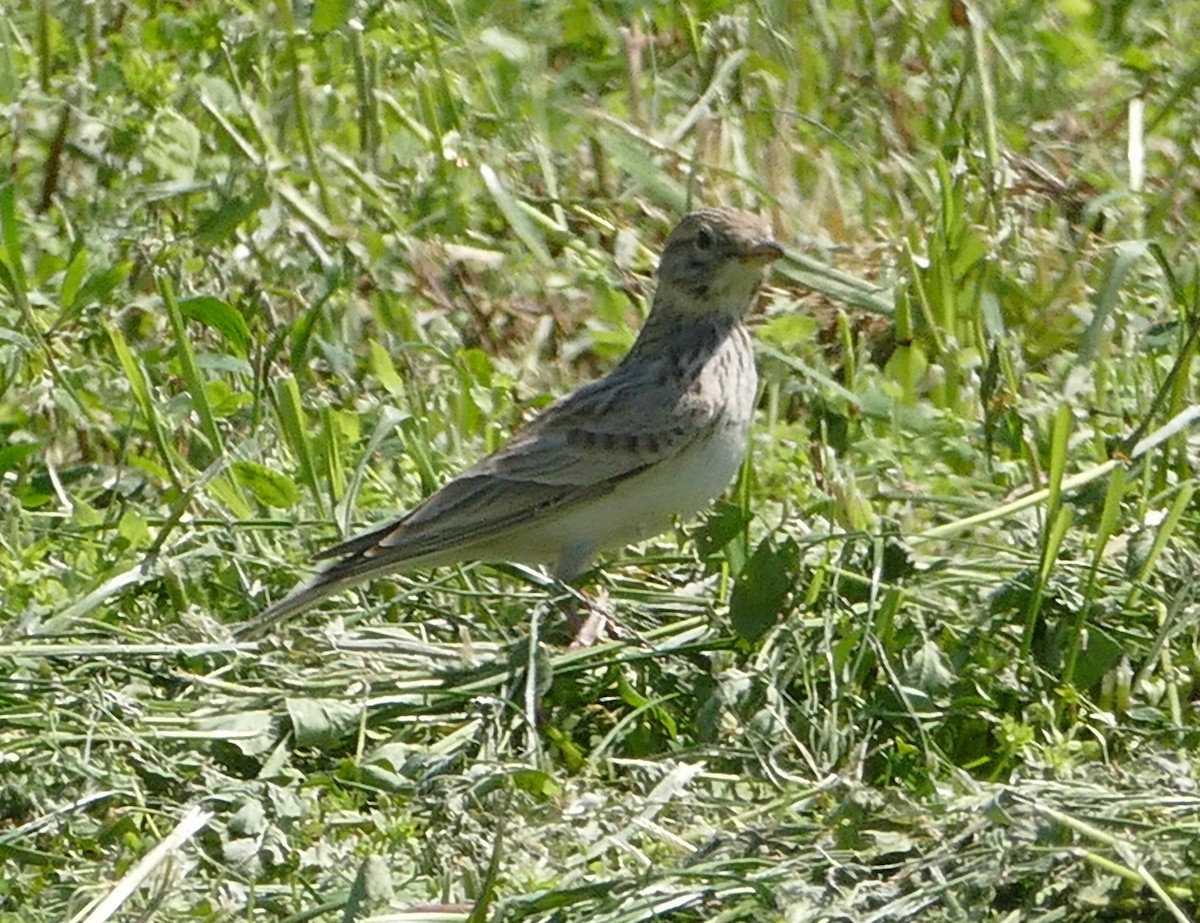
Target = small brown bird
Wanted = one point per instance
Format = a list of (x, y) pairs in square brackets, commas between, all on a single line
[(658, 437)]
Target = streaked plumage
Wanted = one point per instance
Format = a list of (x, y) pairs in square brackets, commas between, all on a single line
[(659, 436)]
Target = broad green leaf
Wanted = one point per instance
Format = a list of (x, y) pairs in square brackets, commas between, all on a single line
[(385, 370), (248, 820), (270, 488), (321, 722), (173, 146), (251, 732), (330, 14), (724, 523), (187, 363), (73, 278), (928, 669), (224, 400), (1129, 254), (14, 453), (13, 276), (134, 529), (763, 588), (220, 316), (536, 782), (139, 384), (789, 331), (99, 286)]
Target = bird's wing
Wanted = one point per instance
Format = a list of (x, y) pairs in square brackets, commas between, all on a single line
[(576, 450)]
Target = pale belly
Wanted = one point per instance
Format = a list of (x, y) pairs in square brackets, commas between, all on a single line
[(639, 508), (568, 539)]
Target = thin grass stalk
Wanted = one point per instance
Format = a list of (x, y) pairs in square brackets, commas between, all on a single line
[(435, 51), (983, 74), (335, 467), (1053, 536), (191, 372), (1162, 536), (44, 54), (290, 411), (369, 131), (1138, 873), (296, 90), (1178, 423), (192, 822), (905, 357), (139, 384), (1057, 520), (1104, 532), (13, 278)]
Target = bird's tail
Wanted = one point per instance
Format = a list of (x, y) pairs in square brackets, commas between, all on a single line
[(335, 578)]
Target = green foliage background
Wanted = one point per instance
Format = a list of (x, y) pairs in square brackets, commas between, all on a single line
[(269, 272)]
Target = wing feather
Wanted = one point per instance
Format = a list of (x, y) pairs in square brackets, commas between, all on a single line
[(577, 450)]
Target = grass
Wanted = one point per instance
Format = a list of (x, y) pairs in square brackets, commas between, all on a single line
[(270, 273)]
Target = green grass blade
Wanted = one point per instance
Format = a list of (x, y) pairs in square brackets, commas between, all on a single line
[(1162, 535), (1104, 532), (139, 384), (515, 215), (191, 372), (295, 431)]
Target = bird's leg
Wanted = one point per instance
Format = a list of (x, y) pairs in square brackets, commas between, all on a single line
[(589, 618)]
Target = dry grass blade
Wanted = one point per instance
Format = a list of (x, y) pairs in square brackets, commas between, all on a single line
[(191, 823)]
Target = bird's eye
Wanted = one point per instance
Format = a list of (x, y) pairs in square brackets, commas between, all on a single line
[(703, 239)]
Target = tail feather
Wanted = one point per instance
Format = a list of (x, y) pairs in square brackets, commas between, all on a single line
[(332, 580)]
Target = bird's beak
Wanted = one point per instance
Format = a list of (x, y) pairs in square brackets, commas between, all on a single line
[(763, 252)]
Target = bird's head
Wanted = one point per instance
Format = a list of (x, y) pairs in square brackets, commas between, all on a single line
[(714, 262)]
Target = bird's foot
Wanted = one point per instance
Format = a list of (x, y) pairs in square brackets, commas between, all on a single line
[(590, 619)]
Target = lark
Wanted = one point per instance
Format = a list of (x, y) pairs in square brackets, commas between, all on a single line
[(616, 461)]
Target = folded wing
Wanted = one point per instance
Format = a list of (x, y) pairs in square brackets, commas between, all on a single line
[(576, 450)]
